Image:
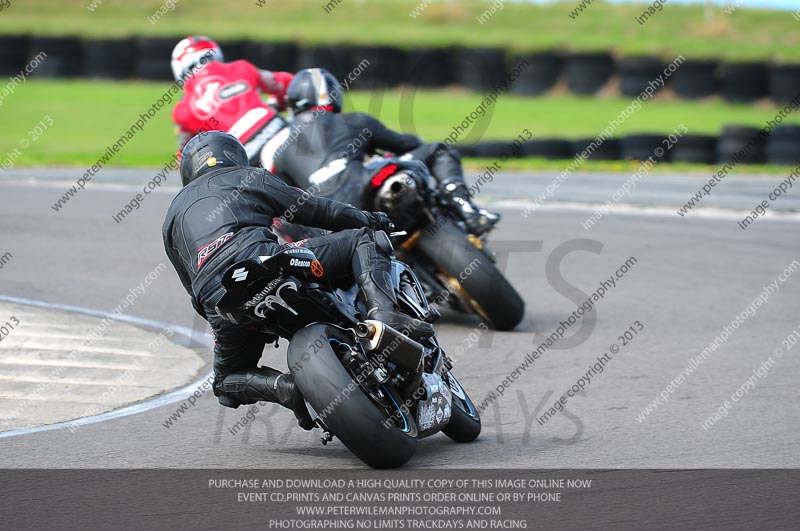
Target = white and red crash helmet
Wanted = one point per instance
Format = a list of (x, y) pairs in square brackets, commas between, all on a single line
[(191, 54)]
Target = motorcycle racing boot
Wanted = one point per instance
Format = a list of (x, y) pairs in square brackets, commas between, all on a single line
[(479, 221), (264, 384), (378, 296)]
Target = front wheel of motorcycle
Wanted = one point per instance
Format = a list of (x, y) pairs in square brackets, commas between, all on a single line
[(372, 426), (471, 270)]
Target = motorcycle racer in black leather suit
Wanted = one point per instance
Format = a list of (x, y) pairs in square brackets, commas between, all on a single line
[(323, 150), (222, 215)]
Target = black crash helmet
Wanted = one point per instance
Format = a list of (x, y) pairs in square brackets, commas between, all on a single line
[(209, 151), (314, 87)]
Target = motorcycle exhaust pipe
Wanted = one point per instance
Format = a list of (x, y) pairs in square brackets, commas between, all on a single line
[(396, 187), (392, 345), (399, 183)]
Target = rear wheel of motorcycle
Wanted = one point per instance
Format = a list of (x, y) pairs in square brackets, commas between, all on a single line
[(491, 295), (345, 408), (465, 422)]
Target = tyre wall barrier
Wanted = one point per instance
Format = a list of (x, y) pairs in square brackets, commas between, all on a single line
[(476, 69), (152, 58), (695, 79), (548, 148), (13, 53), (695, 148), (377, 66), (64, 56), (587, 73), (784, 82), (481, 69), (736, 139), (335, 58), (744, 82), (781, 147), (643, 147), (609, 149), (109, 58), (541, 74), (636, 73), (278, 56), (234, 50), (431, 67)]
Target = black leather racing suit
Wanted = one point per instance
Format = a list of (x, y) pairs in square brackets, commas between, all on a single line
[(222, 218), (324, 151)]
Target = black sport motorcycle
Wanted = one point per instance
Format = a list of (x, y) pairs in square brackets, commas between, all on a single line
[(364, 382), (455, 267)]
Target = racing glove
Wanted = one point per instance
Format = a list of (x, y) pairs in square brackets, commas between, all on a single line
[(379, 221)]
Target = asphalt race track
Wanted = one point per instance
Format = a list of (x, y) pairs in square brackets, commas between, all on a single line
[(691, 277)]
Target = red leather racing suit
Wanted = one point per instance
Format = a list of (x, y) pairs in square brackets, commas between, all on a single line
[(227, 97)]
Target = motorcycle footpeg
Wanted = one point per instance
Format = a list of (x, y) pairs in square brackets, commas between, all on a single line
[(326, 437)]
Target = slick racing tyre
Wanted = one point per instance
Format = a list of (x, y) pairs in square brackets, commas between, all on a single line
[(465, 422), (474, 273), (358, 419)]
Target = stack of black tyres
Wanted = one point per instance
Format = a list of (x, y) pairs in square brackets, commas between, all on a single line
[(735, 139), (481, 69), (780, 147), (695, 79), (744, 82), (548, 148), (784, 145), (465, 150), (109, 58), (234, 50), (494, 150), (277, 56), (784, 82), (538, 73), (377, 66), (608, 149), (587, 73), (701, 149), (431, 67), (334, 58), (644, 146), (636, 73), (13, 53), (64, 56), (153, 57)]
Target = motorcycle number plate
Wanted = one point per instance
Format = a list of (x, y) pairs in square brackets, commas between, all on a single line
[(435, 411)]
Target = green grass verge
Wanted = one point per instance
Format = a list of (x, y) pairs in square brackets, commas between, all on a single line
[(88, 116), (677, 29)]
